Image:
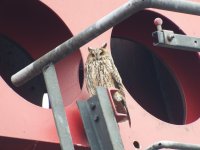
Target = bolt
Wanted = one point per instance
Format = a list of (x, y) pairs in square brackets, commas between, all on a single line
[(96, 118), (92, 106), (170, 37)]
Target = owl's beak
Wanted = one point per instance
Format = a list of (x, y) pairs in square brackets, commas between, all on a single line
[(98, 57)]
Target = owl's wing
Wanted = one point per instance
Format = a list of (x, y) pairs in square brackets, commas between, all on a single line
[(117, 78), (89, 81)]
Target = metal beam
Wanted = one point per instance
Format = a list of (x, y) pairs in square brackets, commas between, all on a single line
[(173, 145), (59, 114), (99, 122), (105, 23)]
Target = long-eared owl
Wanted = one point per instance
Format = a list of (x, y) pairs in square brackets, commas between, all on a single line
[(101, 71)]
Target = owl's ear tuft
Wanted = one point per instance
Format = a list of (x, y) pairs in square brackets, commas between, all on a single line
[(90, 49), (104, 45)]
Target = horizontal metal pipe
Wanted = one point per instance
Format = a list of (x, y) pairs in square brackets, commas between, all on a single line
[(105, 23), (182, 6), (173, 145)]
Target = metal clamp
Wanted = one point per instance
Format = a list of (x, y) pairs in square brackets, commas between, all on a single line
[(168, 39)]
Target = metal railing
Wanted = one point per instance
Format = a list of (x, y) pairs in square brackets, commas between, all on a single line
[(105, 23)]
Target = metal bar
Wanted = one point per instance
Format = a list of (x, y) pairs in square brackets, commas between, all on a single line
[(173, 145), (168, 39), (99, 122), (182, 6), (57, 107), (105, 23)]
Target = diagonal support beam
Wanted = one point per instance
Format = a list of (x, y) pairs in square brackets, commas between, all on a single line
[(99, 122), (56, 102)]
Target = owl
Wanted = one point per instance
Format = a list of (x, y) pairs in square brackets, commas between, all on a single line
[(101, 71)]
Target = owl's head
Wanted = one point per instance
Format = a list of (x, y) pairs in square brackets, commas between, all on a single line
[(97, 53)]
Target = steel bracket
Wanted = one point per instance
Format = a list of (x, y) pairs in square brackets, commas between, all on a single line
[(118, 109), (99, 122), (168, 39)]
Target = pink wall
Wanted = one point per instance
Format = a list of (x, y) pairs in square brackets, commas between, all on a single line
[(40, 26)]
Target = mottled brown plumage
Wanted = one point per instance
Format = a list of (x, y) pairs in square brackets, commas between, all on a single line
[(101, 71)]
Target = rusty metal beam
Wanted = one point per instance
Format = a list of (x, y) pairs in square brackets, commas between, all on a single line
[(102, 25)]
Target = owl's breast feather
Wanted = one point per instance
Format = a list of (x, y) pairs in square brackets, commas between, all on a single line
[(100, 72)]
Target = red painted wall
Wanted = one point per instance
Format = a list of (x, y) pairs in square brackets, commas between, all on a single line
[(39, 26)]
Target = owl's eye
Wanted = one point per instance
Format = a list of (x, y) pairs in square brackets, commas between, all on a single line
[(101, 53), (93, 55)]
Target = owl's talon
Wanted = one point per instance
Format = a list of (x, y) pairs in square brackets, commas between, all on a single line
[(119, 98)]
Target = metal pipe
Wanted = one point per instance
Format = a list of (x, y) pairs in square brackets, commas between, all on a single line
[(173, 145), (102, 25), (182, 6)]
